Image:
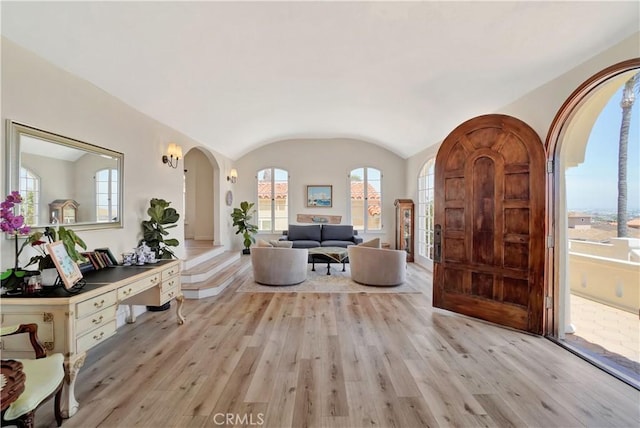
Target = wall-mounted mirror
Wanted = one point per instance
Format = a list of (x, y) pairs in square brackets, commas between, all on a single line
[(62, 180)]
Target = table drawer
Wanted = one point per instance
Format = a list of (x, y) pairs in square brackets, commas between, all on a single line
[(136, 287), (170, 271), (91, 339), (95, 320), (169, 294), (170, 283), (95, 304)]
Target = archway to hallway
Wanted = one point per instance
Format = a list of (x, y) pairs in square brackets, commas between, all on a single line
[(599, 275), (201, 198)]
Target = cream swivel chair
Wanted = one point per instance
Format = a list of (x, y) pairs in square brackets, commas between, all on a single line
[(43, 378), (377, 266), (279, 266)]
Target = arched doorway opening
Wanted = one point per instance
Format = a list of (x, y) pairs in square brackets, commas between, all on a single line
[(201, 197), (566, 146)]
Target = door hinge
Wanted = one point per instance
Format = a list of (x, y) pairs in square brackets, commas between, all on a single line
[(550, 241), (548, 302), (549, 167)]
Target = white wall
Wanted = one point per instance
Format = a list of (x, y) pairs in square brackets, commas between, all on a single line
[(323, 162), (37, 93)]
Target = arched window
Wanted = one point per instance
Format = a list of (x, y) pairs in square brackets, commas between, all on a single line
[(425, 209), (366, 199), (30, 191), (273, 200), (107, 195)]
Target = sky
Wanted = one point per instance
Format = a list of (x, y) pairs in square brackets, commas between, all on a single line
[(593, 185)]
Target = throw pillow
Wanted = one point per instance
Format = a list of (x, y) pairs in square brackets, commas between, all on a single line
[(281, 244), (263, 243), (373, 243)]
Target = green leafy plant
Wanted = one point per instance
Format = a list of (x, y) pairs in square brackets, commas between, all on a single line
[(241, 217), (69, 239), (154, 230)]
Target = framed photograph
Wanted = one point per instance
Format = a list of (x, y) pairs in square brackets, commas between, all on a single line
[(319, 196), (67, 269)]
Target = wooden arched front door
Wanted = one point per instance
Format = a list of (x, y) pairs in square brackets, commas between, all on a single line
[(489, 215)]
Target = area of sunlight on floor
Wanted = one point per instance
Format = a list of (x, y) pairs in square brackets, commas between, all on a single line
[(615, 330)]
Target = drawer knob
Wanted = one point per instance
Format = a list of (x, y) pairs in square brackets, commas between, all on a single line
[(98, 336), (171, 294), (97, 321), (127, 292), (98, 305)]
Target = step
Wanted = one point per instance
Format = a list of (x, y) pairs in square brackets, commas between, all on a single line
[(202, 256), (208, 268), (214, 285)]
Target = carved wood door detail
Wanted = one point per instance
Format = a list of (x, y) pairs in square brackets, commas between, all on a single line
[(489, 214)]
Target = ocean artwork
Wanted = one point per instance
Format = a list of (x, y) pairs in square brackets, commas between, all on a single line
[(319, 196)]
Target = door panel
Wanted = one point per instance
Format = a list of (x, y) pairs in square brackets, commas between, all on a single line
[(489, 205)]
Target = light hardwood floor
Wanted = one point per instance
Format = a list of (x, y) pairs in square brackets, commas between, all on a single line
[(338, 360)]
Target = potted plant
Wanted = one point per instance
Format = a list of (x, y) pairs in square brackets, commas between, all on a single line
[(161, 218), (241, 217), (45, 264)]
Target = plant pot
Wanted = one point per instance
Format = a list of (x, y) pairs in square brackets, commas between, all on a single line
[(246, 251), (49, 276)]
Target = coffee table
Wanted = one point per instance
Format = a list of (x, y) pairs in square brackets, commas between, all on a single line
[(328, 254)]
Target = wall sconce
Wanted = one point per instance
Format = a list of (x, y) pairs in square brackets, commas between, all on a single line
[(174, 153), (233, 176)]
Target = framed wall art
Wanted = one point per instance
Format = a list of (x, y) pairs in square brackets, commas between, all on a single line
[(319, 196)]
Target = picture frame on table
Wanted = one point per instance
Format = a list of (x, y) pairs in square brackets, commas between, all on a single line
[(68, 270), (320, 196)]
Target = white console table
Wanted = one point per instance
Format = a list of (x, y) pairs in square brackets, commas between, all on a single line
[(74, 323)]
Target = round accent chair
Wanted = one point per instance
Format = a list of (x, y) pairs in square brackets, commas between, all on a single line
[(279, 266), (377, 266)]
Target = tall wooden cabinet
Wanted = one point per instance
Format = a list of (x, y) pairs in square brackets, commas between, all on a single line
[(63, 211), (404, 226)]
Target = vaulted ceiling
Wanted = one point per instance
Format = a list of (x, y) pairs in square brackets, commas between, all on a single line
[(238, 75)]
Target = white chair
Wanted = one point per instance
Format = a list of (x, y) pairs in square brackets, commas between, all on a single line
[(377, 266), (279, 266), (43, 378)]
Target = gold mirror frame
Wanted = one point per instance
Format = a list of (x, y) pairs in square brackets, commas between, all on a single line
[(89, 156)]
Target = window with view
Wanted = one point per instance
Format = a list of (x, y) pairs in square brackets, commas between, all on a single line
[(366, 199), (30, 191), (106, 195), (425, 209), (273, 200)]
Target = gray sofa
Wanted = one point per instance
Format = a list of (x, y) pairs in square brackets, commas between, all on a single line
[(321, 235)]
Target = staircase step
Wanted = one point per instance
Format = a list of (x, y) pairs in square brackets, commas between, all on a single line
[(201, 256), (208, 268), (221, 280)]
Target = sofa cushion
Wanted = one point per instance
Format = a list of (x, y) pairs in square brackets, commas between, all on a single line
[(303, 243), (337, 232), (332, 243), (373, 243), (281, 244), (263, 243), (304, 233)]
